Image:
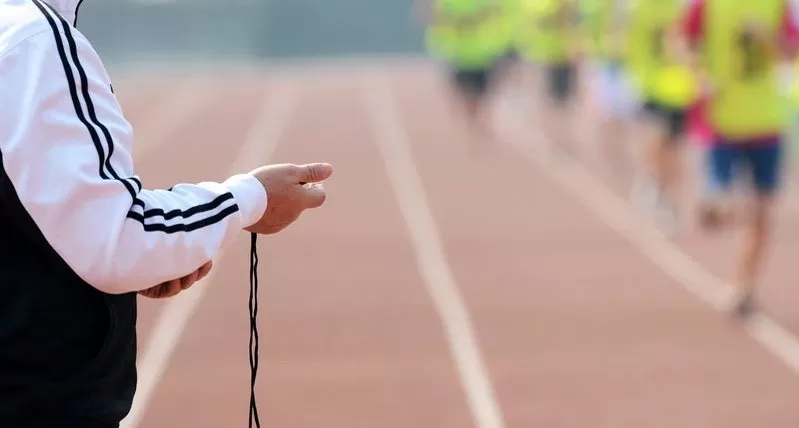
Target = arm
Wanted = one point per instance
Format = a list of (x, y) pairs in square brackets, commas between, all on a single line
[(116, 236), (789, 40), (692, 32)]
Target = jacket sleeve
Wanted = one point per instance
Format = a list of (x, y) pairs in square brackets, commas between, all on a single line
[(66, 150)]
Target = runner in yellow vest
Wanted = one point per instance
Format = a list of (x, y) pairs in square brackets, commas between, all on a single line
[(472, 37), (548, 36), (508, 71), (667, 89), (742, 41)]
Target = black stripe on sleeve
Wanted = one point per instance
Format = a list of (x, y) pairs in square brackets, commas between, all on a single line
[(73, 90), (188, 227), (84, 84), (104, 160), (168, 215)]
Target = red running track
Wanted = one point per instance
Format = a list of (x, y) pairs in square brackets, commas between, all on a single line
[(439, 287)]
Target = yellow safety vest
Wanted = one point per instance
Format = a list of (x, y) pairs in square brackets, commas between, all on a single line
[(512, 17), (747, 100), (606, 31), (658, 74), (473, 33), (545, 31)]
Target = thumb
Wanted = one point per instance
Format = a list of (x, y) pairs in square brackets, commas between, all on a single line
[(314, 172)]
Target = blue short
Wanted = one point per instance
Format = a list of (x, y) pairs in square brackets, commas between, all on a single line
[(725, 161)]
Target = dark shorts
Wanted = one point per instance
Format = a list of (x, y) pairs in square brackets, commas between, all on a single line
[(561, 82), (672, 119), (473, 83), (726, 161)]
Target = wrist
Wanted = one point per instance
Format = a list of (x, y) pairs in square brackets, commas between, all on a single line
[(250, 196)]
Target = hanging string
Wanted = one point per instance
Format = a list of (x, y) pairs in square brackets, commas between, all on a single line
[(254, 419)]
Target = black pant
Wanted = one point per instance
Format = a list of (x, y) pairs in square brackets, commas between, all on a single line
[(56, 423), (671, 119), (473, 82), (561, 79)]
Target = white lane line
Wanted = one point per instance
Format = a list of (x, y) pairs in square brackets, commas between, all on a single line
[(261, 142), (406, 183), (617, 214)]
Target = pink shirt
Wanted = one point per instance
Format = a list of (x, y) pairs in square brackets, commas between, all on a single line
[(693, 25)]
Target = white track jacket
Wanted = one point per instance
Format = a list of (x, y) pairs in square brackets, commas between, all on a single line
[(65, 149)]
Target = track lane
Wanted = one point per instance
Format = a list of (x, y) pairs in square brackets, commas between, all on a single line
[(348, 334), (621, 374), (199, 148), (569, 314)]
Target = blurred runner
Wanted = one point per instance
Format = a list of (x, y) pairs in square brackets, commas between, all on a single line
[(509, 75), (511, 17), (528, 73), (667, 89), (472, 36), (742, 41), (606, 31), (549, 35)]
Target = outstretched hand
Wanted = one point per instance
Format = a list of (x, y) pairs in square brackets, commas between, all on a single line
[(291, 189)]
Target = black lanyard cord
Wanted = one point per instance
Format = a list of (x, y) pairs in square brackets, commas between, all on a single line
[(253, 329)]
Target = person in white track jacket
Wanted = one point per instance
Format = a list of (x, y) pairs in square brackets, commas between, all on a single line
[(79, 237)]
